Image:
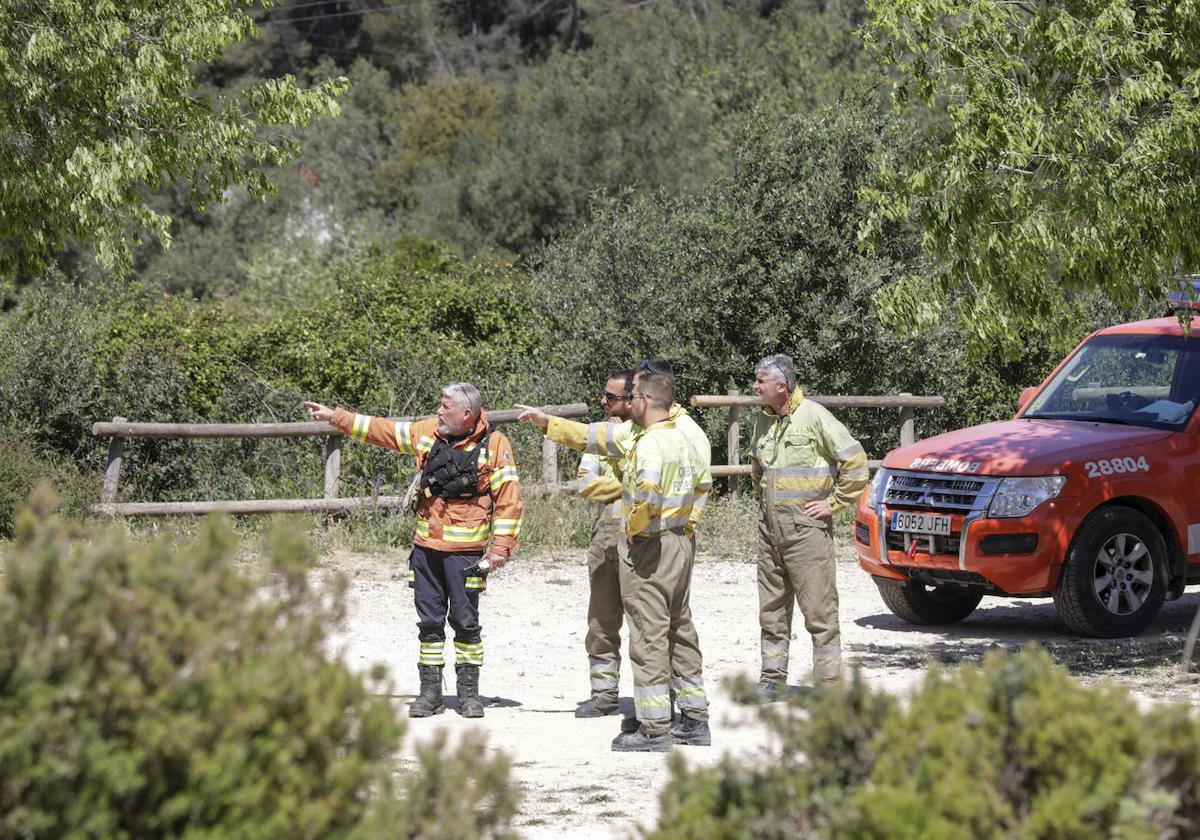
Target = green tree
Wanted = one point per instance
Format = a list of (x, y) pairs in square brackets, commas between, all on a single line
[(99, 107), (1066, 163), (764, 260)]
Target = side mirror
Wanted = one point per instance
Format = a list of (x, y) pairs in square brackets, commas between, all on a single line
[(1026, 398)]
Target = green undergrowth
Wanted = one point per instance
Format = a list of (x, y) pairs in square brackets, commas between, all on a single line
[(1014, 748), (159, 688)]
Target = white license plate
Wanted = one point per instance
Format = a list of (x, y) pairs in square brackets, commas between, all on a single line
[(920, 523)]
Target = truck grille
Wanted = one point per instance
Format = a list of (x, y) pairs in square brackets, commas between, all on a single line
[(938, 491), (926, 543)]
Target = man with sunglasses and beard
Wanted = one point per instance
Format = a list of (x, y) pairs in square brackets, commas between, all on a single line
[(599, 481), (666, 481)]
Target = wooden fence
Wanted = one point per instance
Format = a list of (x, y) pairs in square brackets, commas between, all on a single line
[(120, 430), (734, 402)]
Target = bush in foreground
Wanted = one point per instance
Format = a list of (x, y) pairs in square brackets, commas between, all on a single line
[(1014, 748), (156, 690)]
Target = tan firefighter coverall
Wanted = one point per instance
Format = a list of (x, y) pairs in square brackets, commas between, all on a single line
[(802, 456), (599, 481), (660, 513), (665, 487)]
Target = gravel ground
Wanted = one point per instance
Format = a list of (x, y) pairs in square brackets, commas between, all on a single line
[(536, 671)]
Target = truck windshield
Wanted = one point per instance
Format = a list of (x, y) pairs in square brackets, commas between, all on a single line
[(1141, 380)]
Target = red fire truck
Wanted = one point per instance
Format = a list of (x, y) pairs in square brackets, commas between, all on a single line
[(1090, 494)]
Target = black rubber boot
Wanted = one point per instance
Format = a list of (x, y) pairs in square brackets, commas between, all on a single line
[(690, 731), (639, 741), (770, 691), (467, 685), (429, 701), (596, 707)]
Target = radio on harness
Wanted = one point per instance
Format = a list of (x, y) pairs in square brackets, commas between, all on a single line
[(452, 473)]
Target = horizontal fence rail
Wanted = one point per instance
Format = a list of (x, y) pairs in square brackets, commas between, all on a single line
[(735, 401), (120, 430)]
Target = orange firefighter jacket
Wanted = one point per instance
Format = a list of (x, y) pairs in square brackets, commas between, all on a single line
[(453, 524)]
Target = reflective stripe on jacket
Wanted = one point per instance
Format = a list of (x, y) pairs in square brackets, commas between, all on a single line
[(453, 524), (665, 484), (614, 440), (806, 455), (598, 480)]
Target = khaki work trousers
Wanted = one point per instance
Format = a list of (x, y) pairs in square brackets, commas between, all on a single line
[(605, 611), (656, 584), (796, 566)]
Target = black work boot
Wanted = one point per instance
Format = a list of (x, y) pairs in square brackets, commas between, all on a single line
[(770, 691), (639, 741), (467, 685), (690, 731), (596, 706), (429, 701)]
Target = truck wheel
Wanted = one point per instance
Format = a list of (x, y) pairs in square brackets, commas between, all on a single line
[(917, 603), (1114, 578)]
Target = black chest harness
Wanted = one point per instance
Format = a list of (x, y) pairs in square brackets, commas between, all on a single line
[(452, 473)]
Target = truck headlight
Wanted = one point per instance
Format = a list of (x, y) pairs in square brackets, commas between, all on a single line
[(878, 486), (1018, 496)]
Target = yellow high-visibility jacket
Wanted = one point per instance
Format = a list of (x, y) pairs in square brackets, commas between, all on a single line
[(806, 455), (665, 483), (614, 440), (453, 524), (599, 480)]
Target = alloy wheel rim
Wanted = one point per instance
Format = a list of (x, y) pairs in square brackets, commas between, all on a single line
[(1124, 574)]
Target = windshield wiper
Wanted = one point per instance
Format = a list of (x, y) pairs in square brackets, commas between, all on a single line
[(1082, 418)]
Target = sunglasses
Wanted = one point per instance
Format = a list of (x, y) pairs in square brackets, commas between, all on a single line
[(611, 397)]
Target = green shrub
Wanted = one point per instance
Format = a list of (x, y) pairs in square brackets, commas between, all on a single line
[(24, 465), (1014, 748), (155, 690)]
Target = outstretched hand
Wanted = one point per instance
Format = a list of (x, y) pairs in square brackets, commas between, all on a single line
[(317, 411), (529, 414)]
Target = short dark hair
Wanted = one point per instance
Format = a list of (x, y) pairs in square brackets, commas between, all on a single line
[(625, 376), (659, 388), (659, 367)]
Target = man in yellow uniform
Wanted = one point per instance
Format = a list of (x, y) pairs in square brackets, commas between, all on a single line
[(806, 467), (665, 487), (610, 440), (599, 480)]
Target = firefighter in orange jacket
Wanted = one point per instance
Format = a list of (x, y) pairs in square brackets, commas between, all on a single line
[(469, 495)]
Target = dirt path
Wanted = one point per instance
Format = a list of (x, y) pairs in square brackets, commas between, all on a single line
[(536, 671)]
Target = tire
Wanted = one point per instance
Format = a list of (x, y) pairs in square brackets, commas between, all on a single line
[(917, 603), (1114, 578)]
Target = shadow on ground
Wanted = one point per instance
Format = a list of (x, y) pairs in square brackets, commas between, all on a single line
[(1012, 624)]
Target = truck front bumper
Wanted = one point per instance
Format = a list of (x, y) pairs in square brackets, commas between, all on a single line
[(1019, 556)]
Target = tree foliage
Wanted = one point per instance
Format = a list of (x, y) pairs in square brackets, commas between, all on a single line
[(1066, 164), (764, 260), (99, 105)]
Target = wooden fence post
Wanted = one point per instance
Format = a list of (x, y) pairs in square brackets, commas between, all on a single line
[(112, 472), (333, 465), (732, 443), (549, 462), (908, 425)]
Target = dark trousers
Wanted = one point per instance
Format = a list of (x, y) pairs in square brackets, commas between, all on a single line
[(442, 591)]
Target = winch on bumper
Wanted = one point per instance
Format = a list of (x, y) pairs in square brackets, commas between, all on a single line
[(935, 528)]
